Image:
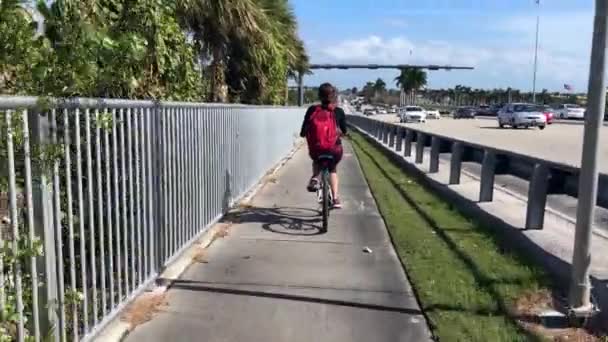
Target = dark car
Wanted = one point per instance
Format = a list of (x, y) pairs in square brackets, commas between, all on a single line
[(485, 110), (495, 108), (465, 113)]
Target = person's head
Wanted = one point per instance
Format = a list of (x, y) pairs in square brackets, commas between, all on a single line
[(327, 93)]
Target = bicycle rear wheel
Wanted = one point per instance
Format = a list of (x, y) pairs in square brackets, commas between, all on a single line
[(325, 211)]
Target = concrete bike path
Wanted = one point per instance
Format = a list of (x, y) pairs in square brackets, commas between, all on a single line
[(274, 277)]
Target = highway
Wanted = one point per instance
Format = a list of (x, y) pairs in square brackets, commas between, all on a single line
[(558, 142)]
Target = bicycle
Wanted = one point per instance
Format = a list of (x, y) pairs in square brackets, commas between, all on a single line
[(323, 193)]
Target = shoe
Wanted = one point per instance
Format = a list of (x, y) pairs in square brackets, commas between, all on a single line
[(313, 185), (336, 203)]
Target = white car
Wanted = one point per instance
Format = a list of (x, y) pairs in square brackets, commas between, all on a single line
[(382, 111), (570, 111), (412, 114), (433, 114), (521, 115)]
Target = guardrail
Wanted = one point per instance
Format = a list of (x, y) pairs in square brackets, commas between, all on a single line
[(102, 194), (545, 177)]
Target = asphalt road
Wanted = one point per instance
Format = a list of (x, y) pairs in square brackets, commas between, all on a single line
[(558, 142)]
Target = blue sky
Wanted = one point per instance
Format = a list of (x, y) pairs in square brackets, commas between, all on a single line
[(495, 36)]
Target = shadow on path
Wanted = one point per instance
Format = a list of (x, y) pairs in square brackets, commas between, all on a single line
[(203, 287), (281, 220)]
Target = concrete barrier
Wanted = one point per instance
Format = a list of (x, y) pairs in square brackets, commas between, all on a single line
[(544, 177)]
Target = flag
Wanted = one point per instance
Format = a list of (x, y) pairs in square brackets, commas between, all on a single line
[(568, 87)]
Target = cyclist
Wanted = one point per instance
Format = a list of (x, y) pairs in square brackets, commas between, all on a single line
[(310, 127)]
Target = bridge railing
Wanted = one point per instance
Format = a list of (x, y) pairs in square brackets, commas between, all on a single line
[(544, 177), (97, 196)]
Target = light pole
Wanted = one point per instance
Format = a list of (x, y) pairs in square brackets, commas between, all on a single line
[(580, 286), (536, 52)]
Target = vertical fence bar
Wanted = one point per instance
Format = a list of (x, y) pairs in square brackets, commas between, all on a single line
[(488, 170), (214, 188), (188, 188), (180, 177), (391, 136), (154, 245), (117, 118), (81, 220), (124, 227), (30, 222), (70, 216), (58, 231), (166, 162), (12, 191), (173, 179), (42, 222), (109, 205), (138, 195), (192, 183), (456, 162), (131, 196), (205, 160), (199, 169), (101, 220), (91, 207)]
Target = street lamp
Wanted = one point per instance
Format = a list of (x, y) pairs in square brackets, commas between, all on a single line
[(536, 51), (580, 286)]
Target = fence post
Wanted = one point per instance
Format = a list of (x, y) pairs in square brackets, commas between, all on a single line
[(488, 170), (391, 137), (434, 163), (42, 201), (409, 137), (456, 162), (399, 143), (159, 222), (537, 197), (420, 142), (385, 132)]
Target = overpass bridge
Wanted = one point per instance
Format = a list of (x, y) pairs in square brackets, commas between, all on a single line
[(431, 67), (118, 192)]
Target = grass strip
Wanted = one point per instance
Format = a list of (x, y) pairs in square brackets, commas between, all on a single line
[(466, 283)]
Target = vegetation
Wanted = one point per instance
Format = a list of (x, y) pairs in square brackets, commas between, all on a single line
[(218, 50), (410, 80), (465, 280)]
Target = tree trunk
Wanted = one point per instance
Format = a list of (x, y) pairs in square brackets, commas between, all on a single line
[(218, 79)]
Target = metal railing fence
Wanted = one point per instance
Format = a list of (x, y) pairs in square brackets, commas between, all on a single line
[(544, 177), (96, 196)]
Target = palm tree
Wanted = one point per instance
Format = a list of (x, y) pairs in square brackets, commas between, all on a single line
[(214, 23), (379, 86), (411, 80)]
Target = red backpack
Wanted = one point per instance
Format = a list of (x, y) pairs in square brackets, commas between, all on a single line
[(322, 132)]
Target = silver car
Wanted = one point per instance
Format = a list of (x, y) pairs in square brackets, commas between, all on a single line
[(521, 115)]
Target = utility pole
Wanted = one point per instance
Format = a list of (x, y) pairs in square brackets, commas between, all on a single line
[(580, 286), (536, 52), (300, 88)]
